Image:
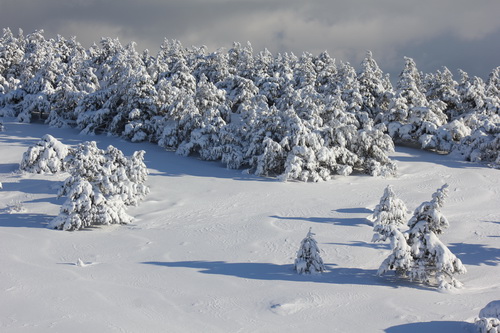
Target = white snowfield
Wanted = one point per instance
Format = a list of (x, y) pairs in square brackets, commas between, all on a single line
[(212, 250)]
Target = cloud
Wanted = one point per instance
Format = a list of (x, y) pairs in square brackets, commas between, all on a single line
[(390, 28)]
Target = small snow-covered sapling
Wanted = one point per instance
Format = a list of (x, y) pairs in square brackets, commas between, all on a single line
[(308, 256)]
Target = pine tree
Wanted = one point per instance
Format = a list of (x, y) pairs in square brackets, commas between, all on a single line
[(102, 184), (241, 60), (374, 87), (134, 102), (401, 259), (489, 318), (96, 110), (39, 69), (326, 78), (85, 207), (213, 113), (433, 261), (308, 256), (442, 87), (305, 71), (388, 215)]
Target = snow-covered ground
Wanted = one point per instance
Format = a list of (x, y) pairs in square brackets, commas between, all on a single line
[(212, 250)]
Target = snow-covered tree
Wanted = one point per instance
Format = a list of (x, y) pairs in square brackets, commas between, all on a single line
[(401, 259), (238, 90), (213, 113), (305, 71), (180, 119), (77, 80), (489, 318), (109, 171), (326, 78), (372, 147), (85, 207), (434, 263), (389, 216), (390, 213), (375, 88), (472, 93), (102, 184), (349, 88), (442, 87), (214, 66), (308, 256), (241, 60), (39, 69), (46, 156)]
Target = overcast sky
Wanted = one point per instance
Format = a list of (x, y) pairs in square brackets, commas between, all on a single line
[(453, 33)]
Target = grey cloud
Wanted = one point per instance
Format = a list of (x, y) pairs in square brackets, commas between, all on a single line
[(449, 32)]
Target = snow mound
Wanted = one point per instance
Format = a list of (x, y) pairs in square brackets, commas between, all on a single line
[(289, 307)]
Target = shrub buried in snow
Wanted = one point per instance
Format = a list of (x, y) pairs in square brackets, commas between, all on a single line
[(102, 182)]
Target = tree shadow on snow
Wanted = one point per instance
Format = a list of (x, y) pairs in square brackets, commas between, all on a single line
[(9, 167), (163, 162), (268, 271), (419, 155), (356, 210), (33, 186), (343, 221), (24, 220), (373, 245), (476, 254), (433, 327)]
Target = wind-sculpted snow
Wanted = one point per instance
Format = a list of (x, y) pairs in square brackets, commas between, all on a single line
[(299, 118)]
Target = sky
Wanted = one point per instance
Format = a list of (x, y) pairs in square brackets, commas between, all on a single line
[(458, 34)]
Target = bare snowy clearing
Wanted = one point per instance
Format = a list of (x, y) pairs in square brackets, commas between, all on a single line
[(212, 250)]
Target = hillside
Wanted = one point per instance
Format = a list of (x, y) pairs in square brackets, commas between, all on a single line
[(212, 249)]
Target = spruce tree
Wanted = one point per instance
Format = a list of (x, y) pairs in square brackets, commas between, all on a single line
[(308, 256), (433, 261), (389, 214), (102, 184)]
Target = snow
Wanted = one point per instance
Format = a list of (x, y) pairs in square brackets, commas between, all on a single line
[(212, 249)]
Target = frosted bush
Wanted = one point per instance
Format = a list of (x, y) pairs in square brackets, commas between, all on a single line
[(47, 156), (102, 184)]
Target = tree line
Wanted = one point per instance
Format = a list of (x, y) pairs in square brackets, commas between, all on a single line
[(302, 118)]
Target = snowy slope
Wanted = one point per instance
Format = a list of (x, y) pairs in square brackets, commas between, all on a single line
[(212, 250)]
